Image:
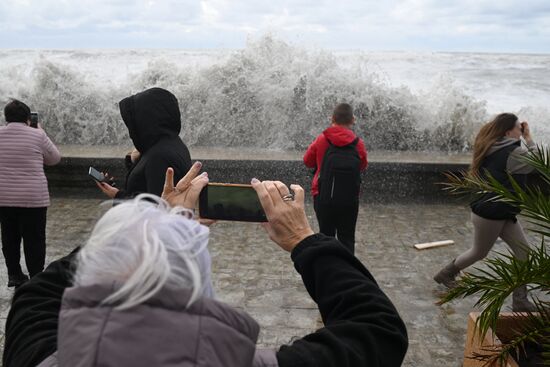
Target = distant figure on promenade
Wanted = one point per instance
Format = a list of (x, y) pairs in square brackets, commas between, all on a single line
[(24, 196), (153, 120), (498, 151), (139, 293), (338, 156)]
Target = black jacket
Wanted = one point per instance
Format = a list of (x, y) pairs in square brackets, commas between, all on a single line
[(31, 326), (154, 122), (501, 163), (362, 327)]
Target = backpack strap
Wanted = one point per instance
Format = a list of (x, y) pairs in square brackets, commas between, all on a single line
[(352, 144)]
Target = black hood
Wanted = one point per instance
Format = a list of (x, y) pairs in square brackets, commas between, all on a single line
[(150, 116)]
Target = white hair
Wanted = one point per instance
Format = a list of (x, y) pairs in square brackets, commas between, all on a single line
[(142, 246)]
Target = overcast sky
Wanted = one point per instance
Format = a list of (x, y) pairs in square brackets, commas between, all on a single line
[(416, 25)]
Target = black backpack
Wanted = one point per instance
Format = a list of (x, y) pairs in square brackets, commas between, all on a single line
[(340, 176)]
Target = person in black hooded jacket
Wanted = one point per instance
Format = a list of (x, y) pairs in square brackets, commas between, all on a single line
[(153, 120)]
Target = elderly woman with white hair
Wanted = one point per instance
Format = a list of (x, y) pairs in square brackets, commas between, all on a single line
[(139, 294)]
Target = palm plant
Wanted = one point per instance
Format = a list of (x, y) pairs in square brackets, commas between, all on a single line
[(505, 272)]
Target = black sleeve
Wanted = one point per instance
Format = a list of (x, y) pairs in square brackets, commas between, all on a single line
[(155, 174), (31, 326), (122, 194), (128, 162), (362, 327), (155, 170)]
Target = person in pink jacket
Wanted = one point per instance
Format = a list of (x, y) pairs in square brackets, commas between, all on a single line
[(338, 157), (24, 196)]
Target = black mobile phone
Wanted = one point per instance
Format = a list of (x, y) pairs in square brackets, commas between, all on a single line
[(96, 175), (34, 119), (231, 202)]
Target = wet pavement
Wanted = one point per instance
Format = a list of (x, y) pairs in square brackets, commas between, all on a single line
[(252, 273)]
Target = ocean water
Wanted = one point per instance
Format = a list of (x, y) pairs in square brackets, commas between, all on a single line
[(275, 95)]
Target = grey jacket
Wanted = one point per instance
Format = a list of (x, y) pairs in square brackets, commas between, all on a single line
[(515, 164), (161, 332)]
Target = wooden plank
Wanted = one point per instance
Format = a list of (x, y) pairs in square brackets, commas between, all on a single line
[(427, 245)]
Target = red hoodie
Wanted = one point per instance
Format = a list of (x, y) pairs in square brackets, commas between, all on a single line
[(338, 136)]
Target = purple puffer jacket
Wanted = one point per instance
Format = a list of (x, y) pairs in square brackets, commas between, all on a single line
[(161, 332)]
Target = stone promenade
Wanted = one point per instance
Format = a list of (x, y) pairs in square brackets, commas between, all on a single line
[(252, 273)]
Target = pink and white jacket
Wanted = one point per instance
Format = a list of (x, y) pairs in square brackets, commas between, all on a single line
[(23, 153)]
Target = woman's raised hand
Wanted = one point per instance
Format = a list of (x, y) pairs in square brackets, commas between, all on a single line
[(525, 131), (287, 222), (186, 192)]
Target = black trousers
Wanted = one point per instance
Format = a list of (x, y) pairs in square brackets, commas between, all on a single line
[(28, 224), (337, 221)]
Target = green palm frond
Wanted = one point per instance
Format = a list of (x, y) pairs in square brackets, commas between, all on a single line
[(539, 159), (498, 355), (492, 286), (534, 329), (505, 273)]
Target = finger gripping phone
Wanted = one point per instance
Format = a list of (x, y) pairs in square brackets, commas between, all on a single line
[(231, 202), (96, 175)]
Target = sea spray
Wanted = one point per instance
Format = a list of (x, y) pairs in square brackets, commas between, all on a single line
[(268, 95)]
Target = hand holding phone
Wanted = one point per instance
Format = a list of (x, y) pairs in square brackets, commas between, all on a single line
[(103, 182), (288, 224), (101, 177), (96, 175)]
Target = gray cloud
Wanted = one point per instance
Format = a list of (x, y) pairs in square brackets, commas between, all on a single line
[(507, 25)]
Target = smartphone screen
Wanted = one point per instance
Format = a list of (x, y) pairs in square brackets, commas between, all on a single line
[(96, 175), (231, 202), (34, 119)]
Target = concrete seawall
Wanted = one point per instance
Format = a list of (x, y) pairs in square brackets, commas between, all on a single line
[(390, 177)]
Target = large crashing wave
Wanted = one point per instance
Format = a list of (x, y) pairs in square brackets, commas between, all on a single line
[(268, 95)]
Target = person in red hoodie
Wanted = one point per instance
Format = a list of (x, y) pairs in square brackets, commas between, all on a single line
[(337, 205)]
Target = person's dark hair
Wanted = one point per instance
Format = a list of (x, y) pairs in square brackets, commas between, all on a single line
[(343, 114), (17, 111), (489, 134)]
